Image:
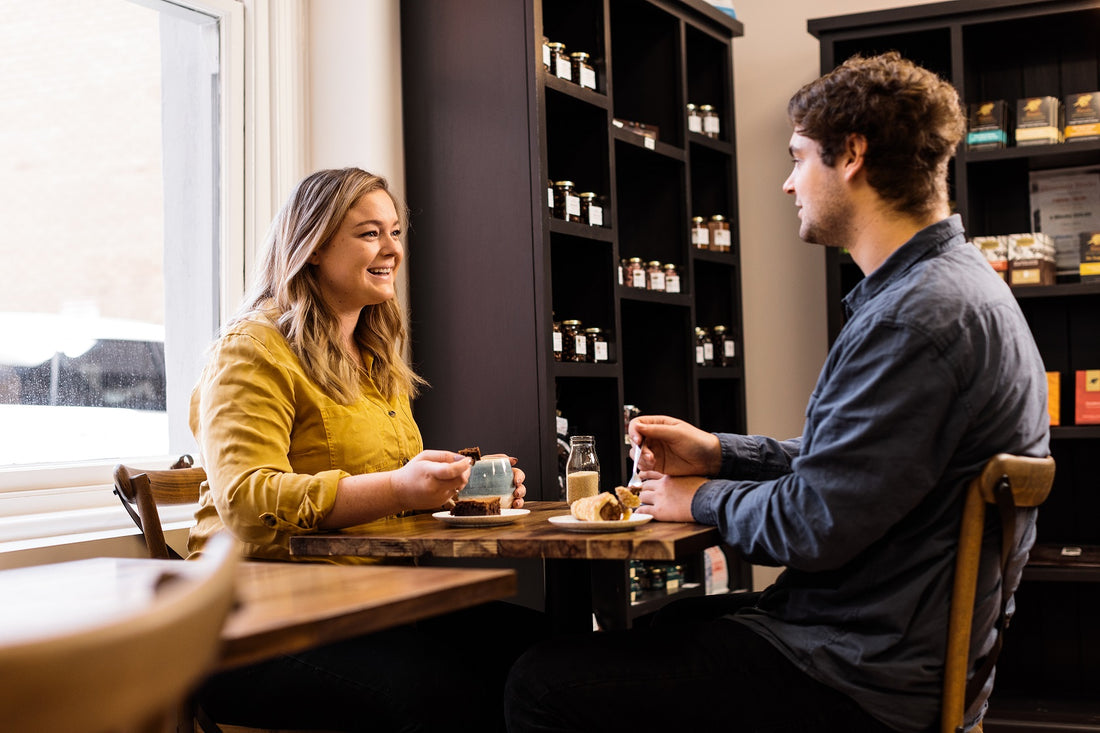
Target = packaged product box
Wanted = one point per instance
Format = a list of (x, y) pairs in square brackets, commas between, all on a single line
[(1087, 397), (988, 127), (1090, 257), (1083, 116), (1038, 121), (1031, 259), (995, 250), (1054, 397)]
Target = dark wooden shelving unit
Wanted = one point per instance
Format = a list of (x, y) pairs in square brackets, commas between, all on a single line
[(491, 269), (1048, 676)]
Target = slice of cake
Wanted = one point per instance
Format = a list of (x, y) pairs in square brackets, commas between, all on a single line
[(481, 507)]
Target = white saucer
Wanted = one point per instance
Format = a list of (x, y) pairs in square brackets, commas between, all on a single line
[(571, 523), (506, 516)]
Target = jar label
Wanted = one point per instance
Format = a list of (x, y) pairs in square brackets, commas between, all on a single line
[(728, 347), (572, 206), (557, 342), (695, 123), (637, 279), (700, 236), (649, 143), (699, 355), (672, 283), (564, 69), (656, 281), (581, 345), (722, 237), (588, 78), (600, 350), (550, 197), (708, 352), (710, 124), (595, 215), (546, 55)]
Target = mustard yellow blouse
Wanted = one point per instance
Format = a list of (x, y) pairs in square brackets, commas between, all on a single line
[(274, 444)]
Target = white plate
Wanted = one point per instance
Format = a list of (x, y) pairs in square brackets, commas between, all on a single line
[(571, 523), (506, 516)]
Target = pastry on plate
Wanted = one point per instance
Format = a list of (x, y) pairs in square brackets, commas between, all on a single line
[(603, 507), (480, 507)]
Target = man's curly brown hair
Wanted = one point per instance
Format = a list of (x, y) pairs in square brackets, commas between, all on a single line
[(911, 118)]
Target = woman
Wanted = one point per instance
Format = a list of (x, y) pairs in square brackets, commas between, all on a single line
[(303, 411), (304, 422)]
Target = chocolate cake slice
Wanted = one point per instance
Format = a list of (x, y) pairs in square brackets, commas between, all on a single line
[(474, 453), (476, 507)]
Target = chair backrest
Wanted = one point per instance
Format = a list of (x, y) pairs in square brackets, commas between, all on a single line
[(140, 491), (131, 672), (1008, 481)]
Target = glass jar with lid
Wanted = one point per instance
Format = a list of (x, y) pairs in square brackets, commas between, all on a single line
[(695, 120), (597, 345), (583, 71), (672, 278), (719, 233), (573, 343), (567, 205), (635, 273), (708, 347), (699, 352), (724, 350), (655, 276), (557, 341), (700, 233), (710, 120), (591, 211), (545, 53), (560, 63)]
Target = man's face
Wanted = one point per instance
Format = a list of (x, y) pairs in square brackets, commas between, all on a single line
[(819, 194)]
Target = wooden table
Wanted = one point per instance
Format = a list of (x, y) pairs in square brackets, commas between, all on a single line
[(283, 607), (574, 589)]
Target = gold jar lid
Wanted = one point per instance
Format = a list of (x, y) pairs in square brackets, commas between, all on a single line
[(699, 219), (706, 108), (564, 184), (587, 195), (556, 46), (579, 55), (654, 263), (570, 323), (719, 329), (668, 266), (636, 259), (594, 330), (690, 107), (718, 217)]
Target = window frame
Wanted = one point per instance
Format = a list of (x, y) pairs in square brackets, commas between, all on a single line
[(263, 69)]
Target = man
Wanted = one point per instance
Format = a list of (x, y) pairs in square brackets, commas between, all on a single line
[(935, 372)]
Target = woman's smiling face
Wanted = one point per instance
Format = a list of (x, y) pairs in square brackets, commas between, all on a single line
[(358, 267)]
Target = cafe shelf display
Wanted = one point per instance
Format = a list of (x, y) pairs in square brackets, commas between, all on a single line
[(500, 255), (1009, 59)]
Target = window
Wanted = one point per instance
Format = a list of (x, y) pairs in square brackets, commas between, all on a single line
[(122, 196)]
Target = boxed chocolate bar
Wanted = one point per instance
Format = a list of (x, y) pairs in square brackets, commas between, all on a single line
[(1038, 121), (1031, 259), (1090, 257), (995, 250), (1083, 116), (988, 126)]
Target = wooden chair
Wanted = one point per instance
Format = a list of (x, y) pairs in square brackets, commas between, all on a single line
[(140, 492), (1009, 482), (128, 674)]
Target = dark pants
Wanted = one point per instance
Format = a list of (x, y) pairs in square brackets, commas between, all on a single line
[(444, 674), (691, 670)]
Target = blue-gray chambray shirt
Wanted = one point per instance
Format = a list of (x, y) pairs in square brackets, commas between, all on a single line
[(935, 372)]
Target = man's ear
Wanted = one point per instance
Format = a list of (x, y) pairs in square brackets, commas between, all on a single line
[(855, 148)]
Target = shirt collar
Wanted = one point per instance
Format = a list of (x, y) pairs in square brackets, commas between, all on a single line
[(932, 238)]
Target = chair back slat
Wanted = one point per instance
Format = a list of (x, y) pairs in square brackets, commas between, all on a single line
[(141, 491)]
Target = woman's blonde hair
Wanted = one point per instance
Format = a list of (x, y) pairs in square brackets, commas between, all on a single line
[(288, 292)]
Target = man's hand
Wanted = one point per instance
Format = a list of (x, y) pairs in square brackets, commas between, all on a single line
[(674, 447), (668, 498)]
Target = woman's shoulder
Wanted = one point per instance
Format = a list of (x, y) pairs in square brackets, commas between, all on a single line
[(255, 331)]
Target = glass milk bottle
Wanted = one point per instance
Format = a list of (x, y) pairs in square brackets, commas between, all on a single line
[(582, 470)]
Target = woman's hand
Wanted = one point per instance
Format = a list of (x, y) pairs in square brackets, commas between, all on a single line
[(518, 477), (431, 479), (674, 447)]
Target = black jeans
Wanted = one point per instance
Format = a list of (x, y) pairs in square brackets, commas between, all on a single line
[(443, 674), (691, 670)]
